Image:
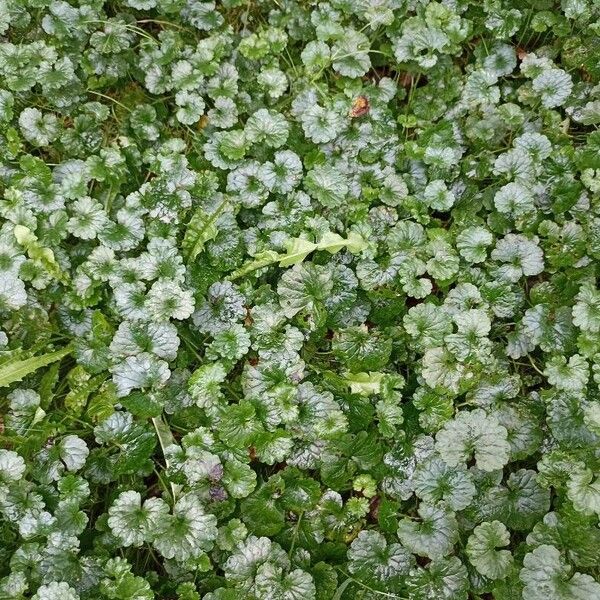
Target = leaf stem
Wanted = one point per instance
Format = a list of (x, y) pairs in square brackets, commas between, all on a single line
[(536, 368)]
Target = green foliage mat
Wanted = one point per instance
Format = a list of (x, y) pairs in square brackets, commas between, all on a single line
[(299, 300)]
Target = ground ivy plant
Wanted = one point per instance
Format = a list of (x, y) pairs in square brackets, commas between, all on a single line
[(299, 299)]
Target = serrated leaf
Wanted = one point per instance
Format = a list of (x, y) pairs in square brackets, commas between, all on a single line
[(263, 259), (14, 371), (201, 229)]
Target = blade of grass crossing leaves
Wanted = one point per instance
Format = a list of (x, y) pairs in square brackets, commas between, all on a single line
[(165, 439)]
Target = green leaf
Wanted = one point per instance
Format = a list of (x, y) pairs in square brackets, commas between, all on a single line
[(374, 561), (297, 249), (434, 481), (122, 584), (187, 533), (238, 478), (132, 522), (362, 350), (520, 504), (14, 371), (482, 550), (261, 512), (474, 434), (583, 489), (38, 253), (573, 533), (200, 229), (262, 259), (443, 579), (364, 384), (326, 580), (546, 575), (433, 536)]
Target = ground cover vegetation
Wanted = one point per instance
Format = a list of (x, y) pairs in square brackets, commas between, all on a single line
[(299, 299)]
